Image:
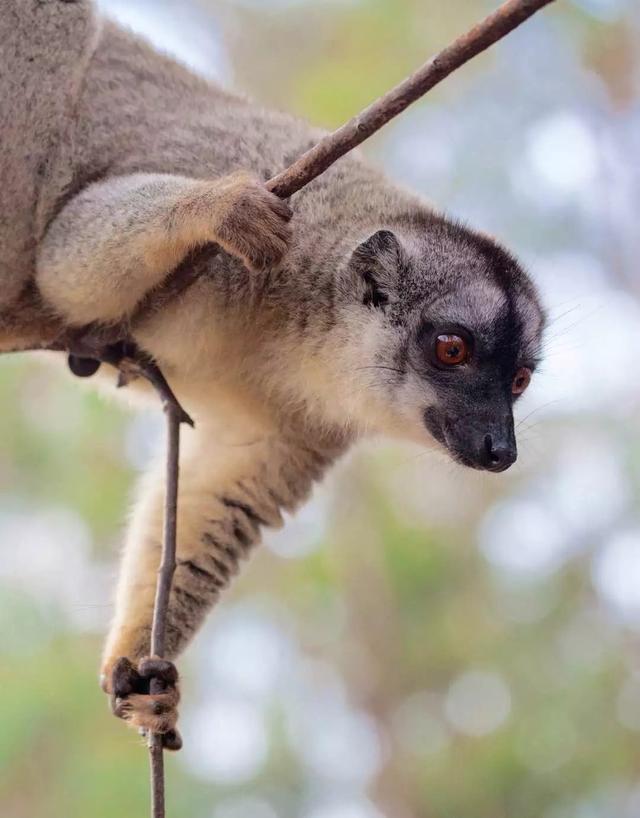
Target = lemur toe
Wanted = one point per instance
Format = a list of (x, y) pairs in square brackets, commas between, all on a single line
[(172, 740), (147, 697), (159, 669), (268, 249), (256, 229), (125, 679), (281, 208), (156, 713)]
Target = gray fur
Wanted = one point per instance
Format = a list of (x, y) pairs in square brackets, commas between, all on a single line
[(115, 167), (45, 46)]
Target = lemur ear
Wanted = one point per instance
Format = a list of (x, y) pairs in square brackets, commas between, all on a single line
[(376, 262)]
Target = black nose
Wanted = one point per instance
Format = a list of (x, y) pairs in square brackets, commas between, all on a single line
[(498, 453)]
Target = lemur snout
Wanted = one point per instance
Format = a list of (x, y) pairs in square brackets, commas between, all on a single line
[(476, 441), (498, 453), (493, 451)]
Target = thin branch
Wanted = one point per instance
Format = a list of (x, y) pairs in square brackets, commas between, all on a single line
[(142, 365), (175, 417), (168, 564), (332, 147), (156, 769)]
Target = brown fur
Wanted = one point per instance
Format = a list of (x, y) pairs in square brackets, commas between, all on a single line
[(117, 164)]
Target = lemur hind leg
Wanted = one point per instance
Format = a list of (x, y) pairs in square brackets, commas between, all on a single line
[(119, 238), (226, 497)]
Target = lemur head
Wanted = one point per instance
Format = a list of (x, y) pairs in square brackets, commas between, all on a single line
[(451, 329)]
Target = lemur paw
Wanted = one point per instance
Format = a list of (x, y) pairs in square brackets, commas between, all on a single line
[(255, 227), (132, 700)]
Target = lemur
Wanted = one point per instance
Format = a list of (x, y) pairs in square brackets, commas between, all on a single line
[(354, 309)]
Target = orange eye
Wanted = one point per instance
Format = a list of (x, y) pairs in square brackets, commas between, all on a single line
[(521, 381), (451, 350)]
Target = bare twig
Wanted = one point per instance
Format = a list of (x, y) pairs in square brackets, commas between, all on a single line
[(168, 564), (175, 417), (156, 768), (335, 145), (113, 344)]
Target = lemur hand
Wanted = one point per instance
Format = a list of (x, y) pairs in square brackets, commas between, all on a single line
[(131, 698), (253, 224)]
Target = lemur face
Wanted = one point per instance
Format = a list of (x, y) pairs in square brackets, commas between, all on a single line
[(470, 349), (463, 337)]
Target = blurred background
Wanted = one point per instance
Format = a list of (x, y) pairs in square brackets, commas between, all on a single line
[(421, 641)]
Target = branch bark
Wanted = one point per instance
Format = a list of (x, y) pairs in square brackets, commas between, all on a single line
[(175, 417), (332, 147)]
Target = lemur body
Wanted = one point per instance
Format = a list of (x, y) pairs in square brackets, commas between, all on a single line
[(302, 337)]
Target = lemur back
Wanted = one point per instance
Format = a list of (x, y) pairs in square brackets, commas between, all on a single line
[(142, 111), (44, 51)]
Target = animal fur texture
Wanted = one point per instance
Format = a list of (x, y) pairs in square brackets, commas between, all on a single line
[(317, 325)]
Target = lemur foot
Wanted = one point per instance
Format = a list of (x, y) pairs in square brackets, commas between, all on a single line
[(132, 699), (255, 226)]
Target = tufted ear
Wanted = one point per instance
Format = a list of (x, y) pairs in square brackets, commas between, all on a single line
[(376, 263)]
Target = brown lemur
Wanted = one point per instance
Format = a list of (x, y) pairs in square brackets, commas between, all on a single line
[(353, 310)]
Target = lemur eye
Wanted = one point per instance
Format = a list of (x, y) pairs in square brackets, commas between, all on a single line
[(521, 380), (451, 350)]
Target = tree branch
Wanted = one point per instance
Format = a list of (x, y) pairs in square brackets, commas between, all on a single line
[(175, 417), (332, 147)]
